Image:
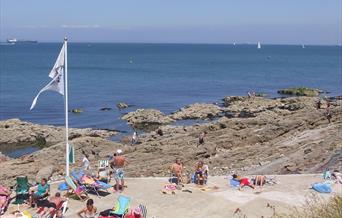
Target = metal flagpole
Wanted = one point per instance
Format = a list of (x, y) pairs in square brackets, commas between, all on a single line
[(66, 105)]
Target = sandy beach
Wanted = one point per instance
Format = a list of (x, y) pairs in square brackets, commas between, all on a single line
[(290, 191)]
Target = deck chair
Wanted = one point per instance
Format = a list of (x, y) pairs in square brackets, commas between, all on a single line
[(63, 207), (143, 210), (103, 163), (77, 190), (21, 190), (90, 183), (121, 206)]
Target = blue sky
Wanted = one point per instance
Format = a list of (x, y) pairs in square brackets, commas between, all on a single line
[(176, 21)]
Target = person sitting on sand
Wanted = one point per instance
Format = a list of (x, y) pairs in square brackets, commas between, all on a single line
[(119, 162), (201, 173), (135, 213), (52, 204), (177, 170), (243, 182), (5, 193), (89, 211), (38, 192)]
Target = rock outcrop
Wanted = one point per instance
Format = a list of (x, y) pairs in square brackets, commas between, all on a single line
[(122, 105), (17, 132), (197, 111), (283, 136), (147, 119)]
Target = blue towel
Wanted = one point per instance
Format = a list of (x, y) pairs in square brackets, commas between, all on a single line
[(63, 186), (103, 185), (234, 183), (322, 187)]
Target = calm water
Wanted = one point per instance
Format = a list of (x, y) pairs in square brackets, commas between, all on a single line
[(162, 76)]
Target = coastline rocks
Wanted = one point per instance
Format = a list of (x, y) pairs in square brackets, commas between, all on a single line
[(15, 132), (197, 111), (3, 158), (122, 105), (148, 119), (300, 91), (230, 99), (45, 172)]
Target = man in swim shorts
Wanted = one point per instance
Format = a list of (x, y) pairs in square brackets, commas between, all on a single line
[(119, 162)]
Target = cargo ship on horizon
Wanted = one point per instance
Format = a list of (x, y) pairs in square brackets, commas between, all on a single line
[(14, 41)]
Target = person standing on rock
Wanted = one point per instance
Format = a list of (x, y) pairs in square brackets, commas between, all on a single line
[(201, 138), (85, 162), (328, 112), (134, 138), (119, 162)]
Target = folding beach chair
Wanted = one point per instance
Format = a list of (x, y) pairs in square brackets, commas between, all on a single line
[(22, 190), (90, 183), (77, 190), (143, 210), (103, 163), (63, 207), (121, 206)]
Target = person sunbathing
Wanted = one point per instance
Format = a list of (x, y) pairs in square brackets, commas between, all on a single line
[(53, 203), (5, 193), (259, 181), (135, 213), (243, 182)]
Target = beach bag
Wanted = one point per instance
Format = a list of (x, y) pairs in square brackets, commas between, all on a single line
[(322, 187)]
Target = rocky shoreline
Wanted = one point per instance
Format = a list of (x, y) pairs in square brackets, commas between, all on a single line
[(250, 135)]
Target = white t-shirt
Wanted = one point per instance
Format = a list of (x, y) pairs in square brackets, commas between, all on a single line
[(85, 162)]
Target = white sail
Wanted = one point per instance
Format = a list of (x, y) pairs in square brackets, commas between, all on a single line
[(259, 45)]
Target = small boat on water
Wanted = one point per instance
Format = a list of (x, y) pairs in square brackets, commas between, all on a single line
[(303, 46), (259, 45), (14, 41)]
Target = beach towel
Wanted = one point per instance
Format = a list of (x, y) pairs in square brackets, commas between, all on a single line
[(322, 187), (234, 183), (63, 187)]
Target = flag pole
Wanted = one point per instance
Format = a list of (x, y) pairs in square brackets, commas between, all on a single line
[(66, 106)]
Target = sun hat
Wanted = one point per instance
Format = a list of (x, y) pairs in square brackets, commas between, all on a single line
[(119, 151)]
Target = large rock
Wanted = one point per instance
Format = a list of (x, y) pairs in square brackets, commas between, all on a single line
[(146, 118), (15, 132), (197, 111), (121, 105), (45, 172), (300, 91)]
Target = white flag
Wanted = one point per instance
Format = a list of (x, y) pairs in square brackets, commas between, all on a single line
[(57, 75)]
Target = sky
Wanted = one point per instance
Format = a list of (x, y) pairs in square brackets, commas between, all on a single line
[(176, 21)]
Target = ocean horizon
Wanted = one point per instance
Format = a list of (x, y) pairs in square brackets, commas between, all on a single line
[(164, 76)]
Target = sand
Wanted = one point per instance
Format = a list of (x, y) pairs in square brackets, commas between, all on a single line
[(291, 191)]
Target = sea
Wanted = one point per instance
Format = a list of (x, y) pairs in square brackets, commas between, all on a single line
[(161, 76)]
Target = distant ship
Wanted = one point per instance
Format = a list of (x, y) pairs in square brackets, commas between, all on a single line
[(14, 41), (259, 45), (303, 46)]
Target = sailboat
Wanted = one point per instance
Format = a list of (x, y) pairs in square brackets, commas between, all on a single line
[(303, 46), (259, 45)]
